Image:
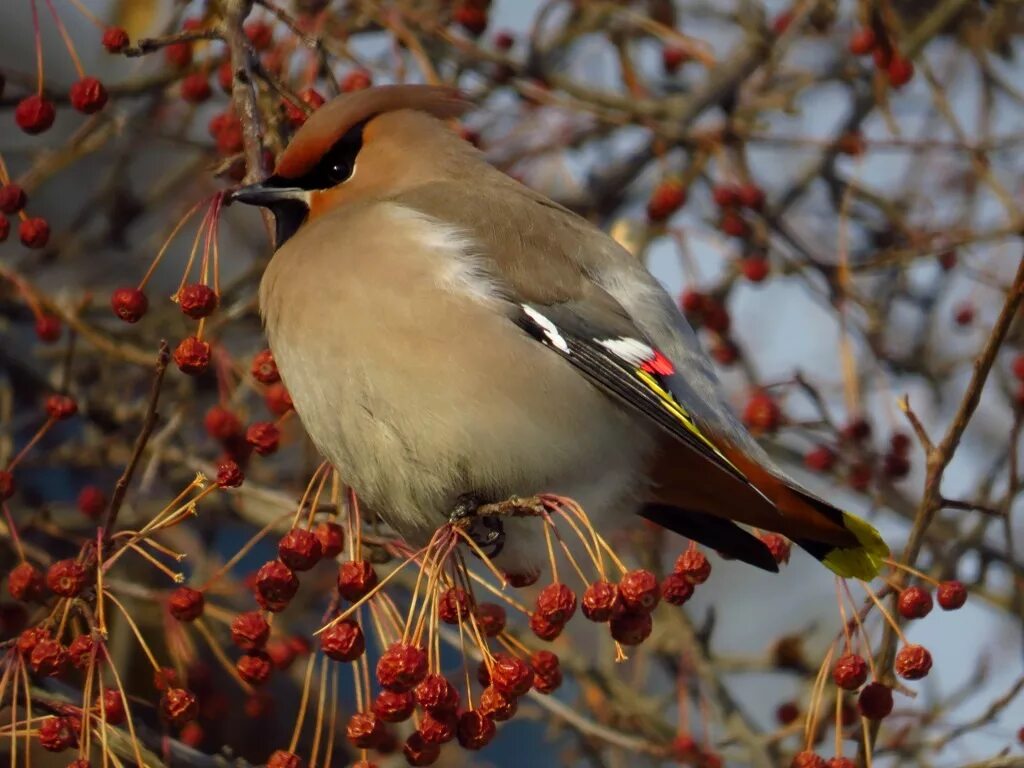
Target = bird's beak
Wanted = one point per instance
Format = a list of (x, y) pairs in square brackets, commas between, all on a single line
[(269, 195)]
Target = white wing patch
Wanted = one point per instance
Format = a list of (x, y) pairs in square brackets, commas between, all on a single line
[(549, 328), (633, 351)]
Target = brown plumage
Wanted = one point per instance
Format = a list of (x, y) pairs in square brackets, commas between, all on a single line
[(445, 330)]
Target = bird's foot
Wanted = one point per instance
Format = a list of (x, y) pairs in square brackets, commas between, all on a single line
[(482, 520)]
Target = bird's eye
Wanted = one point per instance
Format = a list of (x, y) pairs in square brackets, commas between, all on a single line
[(339, 172)]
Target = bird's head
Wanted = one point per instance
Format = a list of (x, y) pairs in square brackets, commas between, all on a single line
[(378, 141)]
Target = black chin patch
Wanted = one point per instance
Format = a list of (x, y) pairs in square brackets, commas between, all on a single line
[(288, 215)]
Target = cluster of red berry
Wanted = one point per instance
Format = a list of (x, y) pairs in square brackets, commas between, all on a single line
[(874, 41)]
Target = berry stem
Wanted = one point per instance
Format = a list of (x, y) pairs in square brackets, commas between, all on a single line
[(135, 630), (167, 243), (15, 538), (302, 704), (39, 48), (243, 551), (88, 14), (68, 42), (219, 654)]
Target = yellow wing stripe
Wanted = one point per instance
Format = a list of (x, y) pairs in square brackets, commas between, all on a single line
[(672, 406)]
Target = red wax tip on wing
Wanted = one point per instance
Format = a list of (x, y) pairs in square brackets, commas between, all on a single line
[(658, 364)]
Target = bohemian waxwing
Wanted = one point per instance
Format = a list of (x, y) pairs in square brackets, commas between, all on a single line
[(447, 334)]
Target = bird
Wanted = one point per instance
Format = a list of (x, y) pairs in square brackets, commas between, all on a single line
[(448, 334)]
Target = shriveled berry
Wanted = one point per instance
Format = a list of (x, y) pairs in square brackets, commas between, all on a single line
[(88, 95), (639, 591), (92, 502), (254, 667), (34, 232), (229, 474), (66, 578), (221, 423), (250, 631), (299, 549), (496, 705), (197, 300), (356, 578), (667, 198), (278, 399), (850, 672), (511, 675), (179, 55), (80, 651), (913, 662), (807, 759), (260, 34), (343, 641), (331, 537), (186, 604), (490, 617), (281, 653), (437, 695), (49, 658), (113, 707), (547, 672), (57, 734), (48, 328), (543, 628), (264, 437), (115, 39), (192, 355), (439, 728), (821, 458), (840, 762), (475, 730), (264, 368), (356, 80), (195, 87), (294, 113), (129, 304), (556, 603), (914, 603), (364, 730), (952, 595), (762, 414), (778, 545), (178, 706), (276, 585), (401, 667), (676, 589), (281, 758), (25, 583), (453, 606), (418, 751), (631, 628), (394, 706), (875, 701), (165, 678), (695, 565), (34, 114), (30, 638), (12, 198)]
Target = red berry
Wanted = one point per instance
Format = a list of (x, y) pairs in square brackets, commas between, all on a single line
[(676, 589), (860, 476), (250, 631), (197, 300), (343, 641), (807, 759), (264, 368), (694, 565), (92, 502), (263, 436), (60, 407), (667, 198), (544, 628), (437, 696), (850, 672), (496, 705), (260, 34), (490, 617), (716, 317), (48, 658), (7, 485), (915, 603), (547, 672), (639, 591), (129, 304), (281, 653), (787, 713), (276, 585), (229, 474), (672, 58), (631, 628), (841, 762), (900, 71), (472, 18), (186, 604), (724, 351), (963, 314), (221, 423), (331, 537), (750, 196), (356, 578), (165, 678), (762, 414), (254, 668), (875, 701), (781, 22), (365, 730), (862, 42), (80, 651), (401, 667), (821, 458), (913, 662), (113, 707), (755, 268), (48, 328), (522, 579), (299, 549), (895, 466), (5, 227), (733, 224), (693, 302), (278, 399), (295, 114), (356, 80), (282, 759), (778, 545), (178, 55), (510, 675), (475, 730), (57, 734), (438, 729), (88, 95), (556, 603), (30, 638), (952, 595), (12, 198), (453, 606), (225, 76), (178, 706), (418, 751), (726, 195), (115, 39), (192, 355), (34, 232), (66, 578), (394, 706), (195, 87), (34, 114), (601, 601)]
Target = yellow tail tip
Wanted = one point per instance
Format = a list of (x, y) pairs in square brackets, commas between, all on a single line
[(863, 562)]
